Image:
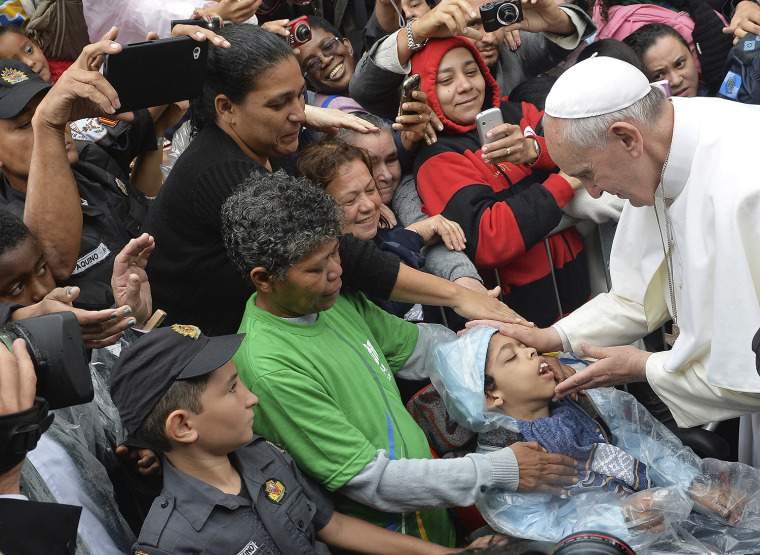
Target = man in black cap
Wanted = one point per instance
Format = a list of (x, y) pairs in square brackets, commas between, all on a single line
[(225, 490), (81, 209)]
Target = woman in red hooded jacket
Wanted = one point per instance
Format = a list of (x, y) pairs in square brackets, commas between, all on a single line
[(507, 199)]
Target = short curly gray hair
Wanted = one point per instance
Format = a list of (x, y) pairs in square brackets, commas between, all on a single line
[(275, 221)]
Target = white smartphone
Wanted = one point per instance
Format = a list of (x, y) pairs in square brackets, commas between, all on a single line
[(487, 120)]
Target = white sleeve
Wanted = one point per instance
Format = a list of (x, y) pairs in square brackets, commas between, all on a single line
[(386, 55), (691, 398), (605, 321)]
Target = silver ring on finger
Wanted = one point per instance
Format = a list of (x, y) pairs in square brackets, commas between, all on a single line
[(420, 116), (508, 151)]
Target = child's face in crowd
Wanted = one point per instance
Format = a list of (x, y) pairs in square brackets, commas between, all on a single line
[(19, 47), (386, 169), (335, 71), (523, 381), (24, 274), (670, 59), (311, 286), (225, 421), (355, 191), (414, 9), (460, 86), (269, 119)]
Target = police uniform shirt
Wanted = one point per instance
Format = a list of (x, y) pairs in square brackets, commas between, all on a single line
[(284, 511), (113, 212)]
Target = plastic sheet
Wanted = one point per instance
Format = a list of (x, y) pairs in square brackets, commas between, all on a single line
[(682, 514)]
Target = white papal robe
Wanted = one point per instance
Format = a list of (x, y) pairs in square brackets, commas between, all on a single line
[(712, 178)]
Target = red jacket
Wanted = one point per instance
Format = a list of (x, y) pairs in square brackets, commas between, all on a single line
[(505, 211)]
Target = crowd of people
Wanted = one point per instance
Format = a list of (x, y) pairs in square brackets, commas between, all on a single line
[(268, 277)]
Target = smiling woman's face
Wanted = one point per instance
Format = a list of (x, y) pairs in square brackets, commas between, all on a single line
[(460, 86), (336, 70)]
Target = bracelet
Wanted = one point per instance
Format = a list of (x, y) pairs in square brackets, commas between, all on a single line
[(537, 148), (413, 46)]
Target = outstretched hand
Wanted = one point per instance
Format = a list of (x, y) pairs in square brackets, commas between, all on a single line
[(542, 472), (615, 366), (100, 328), (129, 280), (330, 120)]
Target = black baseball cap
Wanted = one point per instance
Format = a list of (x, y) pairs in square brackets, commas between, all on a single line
[(19, 84), (147, 368)]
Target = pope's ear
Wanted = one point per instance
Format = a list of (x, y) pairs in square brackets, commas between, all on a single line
[(262, 279), (629, 137)]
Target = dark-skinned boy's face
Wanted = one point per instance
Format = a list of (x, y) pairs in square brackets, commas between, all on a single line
[(24, 274)]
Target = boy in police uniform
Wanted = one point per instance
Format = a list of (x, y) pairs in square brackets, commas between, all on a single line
[(225, 490)]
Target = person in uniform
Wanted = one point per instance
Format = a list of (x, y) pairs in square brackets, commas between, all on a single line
[(225, 490), (81, 207), (685, 248)]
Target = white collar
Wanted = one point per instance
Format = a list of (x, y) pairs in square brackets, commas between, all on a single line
[(682, 147)]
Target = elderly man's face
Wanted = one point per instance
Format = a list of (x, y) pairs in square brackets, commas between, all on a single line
[(310, 286), (613, 169)]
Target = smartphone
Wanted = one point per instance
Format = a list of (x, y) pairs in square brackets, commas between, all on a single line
[(214, 24), (157, 72), (665, 86), (410, 84), (487, 120)]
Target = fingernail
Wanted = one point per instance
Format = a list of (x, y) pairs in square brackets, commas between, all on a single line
[(69, 290), (117, 103), (207, 18), (226, 44), (518, 43), (405, 106), (110, 110), (114, 46), (199, 34), (113, 315), (128, 311), (131, 323)]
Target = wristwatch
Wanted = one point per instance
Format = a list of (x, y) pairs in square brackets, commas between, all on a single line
[(537, 148), (413, 46)]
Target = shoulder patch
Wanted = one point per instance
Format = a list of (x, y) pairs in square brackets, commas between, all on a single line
[(89, 129), (731, 85), (275, 490)]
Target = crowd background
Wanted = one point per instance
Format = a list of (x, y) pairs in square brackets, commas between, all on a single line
[(112, 217)]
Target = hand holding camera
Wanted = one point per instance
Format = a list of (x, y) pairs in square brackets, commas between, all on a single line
[(530, 15)]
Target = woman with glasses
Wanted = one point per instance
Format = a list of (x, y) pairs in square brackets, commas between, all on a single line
[(328, 62)]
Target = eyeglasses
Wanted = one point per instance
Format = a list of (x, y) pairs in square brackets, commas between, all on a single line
[(328, 50)]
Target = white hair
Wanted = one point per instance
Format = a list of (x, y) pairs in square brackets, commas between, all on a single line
[(591, 132)]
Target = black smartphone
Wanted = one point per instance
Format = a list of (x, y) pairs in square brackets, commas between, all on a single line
[(410, 84), (214, 24), (157, 72)]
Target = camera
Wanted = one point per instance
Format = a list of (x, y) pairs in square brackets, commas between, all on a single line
[(500, 13), (55, 345), (591, 542), (300, 31)]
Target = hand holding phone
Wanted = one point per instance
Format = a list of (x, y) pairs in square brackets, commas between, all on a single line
[(410, 84), (487, 120)]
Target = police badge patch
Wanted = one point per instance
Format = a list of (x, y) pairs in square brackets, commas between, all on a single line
[(187, 331), (13, 76), (275, 490)]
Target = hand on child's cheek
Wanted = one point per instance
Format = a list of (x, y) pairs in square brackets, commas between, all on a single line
[(561, 372)]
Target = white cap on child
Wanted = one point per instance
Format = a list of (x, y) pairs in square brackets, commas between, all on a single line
[(599, 85)]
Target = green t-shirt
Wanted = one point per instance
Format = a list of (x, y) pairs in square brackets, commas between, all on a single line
[(327, 394)]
